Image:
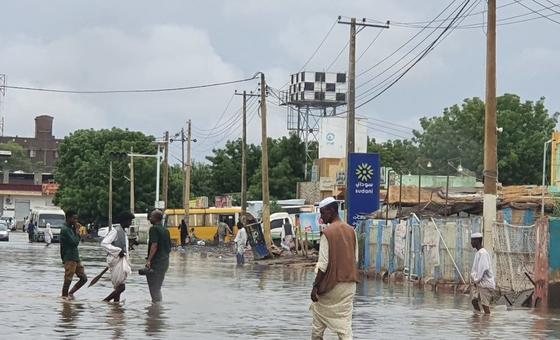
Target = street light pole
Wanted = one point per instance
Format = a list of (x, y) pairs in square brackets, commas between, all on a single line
[(544, 175), (110, 217)]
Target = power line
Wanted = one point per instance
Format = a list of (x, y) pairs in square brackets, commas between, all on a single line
[(372, 89), (544, 6), (422, 56), (406, 43), (168, 89), (370, 44)]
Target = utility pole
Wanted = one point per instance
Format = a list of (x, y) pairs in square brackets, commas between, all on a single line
[(165, 169), (187, 174), (490, 133), (110, 217), (264, 165), (351, 100), (158, 166), (244, 153), (132, 181)]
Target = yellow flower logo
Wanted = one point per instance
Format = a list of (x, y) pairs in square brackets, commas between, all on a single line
[(364, 172)]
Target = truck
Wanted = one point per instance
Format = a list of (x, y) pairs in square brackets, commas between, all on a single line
[(52, 215)]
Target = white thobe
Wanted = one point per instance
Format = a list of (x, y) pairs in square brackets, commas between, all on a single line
[(48, 234), (481, 273), (241, 240), (119, 266)]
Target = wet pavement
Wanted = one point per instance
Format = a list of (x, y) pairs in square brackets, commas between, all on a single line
[(207, 297)]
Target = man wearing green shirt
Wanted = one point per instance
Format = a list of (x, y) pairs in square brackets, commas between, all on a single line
[(159, 247), (69, 241)]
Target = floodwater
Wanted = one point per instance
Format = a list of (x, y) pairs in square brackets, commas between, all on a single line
[(207, 297)]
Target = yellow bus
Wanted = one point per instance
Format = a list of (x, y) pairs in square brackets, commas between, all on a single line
[(203, 221)]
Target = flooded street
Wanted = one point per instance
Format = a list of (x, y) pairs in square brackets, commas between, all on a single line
[(208, 297)]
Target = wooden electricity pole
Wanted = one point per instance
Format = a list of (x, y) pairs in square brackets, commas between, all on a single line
[(490, 133), (351, 100), (264, 165), (132, 205), (244, 153)]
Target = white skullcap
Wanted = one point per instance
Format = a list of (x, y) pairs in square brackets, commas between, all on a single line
[(476, 235), (326, 202)]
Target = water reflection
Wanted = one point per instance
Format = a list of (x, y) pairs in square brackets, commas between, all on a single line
[(116, 320), (155, 319), (69, 317)]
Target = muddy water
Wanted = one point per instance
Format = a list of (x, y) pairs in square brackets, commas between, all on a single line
[(208, 297)]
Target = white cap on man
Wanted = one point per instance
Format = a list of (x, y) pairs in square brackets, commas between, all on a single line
[(476, 235), (326, 202)]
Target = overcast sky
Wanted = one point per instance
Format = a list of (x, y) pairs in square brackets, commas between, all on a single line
[(90, 45)]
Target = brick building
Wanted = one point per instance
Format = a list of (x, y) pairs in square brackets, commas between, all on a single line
[(43, 147)]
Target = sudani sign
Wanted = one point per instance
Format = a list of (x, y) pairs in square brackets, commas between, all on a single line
[(363, 186)]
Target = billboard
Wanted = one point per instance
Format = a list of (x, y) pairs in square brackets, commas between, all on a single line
[(332, 137), (363, 186)]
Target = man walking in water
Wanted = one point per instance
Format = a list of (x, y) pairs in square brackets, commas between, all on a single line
[(69, 241), (116, 246), (337, 274), (159, 247), (482, 277)]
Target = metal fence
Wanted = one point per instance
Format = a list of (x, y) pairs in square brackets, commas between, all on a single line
[(440, 250)]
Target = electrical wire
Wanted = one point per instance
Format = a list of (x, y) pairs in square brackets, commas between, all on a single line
[(544, 6), (405, 43), (168, 89), (425, 52), (370, 44), (315, 51)]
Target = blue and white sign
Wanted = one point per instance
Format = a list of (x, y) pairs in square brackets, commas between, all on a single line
[(363, 186)]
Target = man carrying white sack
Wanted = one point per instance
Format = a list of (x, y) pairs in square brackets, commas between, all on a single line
[(116, 246)]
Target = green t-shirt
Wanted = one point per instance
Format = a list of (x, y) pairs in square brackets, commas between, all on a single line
[(69, 241), (160, 235)]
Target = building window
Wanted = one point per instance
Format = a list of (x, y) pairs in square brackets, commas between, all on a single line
[(32, 154), (55, 154), (302, 76), (330, 87), (341, 97), (320, 76), (309, 87), (341, 77), (319, 95)]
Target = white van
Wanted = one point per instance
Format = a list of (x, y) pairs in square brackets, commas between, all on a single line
[(43, 215)]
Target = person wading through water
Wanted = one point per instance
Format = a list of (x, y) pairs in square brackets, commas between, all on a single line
[(159, 246), (69, 241), (482, 277), (335, 284), (184, 232), (116, 246)]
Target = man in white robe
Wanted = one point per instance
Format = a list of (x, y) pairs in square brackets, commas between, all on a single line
[(482, 277), (48, 235), (116, 246), (240, 242)]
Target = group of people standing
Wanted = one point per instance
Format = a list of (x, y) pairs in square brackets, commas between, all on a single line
[(117, 247)]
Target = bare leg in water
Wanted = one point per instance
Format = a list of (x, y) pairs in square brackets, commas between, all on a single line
[(116, 294)]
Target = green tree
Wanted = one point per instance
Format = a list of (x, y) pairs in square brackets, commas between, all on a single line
[(18, 160), (398, 154), (459, 133), (83, 172)]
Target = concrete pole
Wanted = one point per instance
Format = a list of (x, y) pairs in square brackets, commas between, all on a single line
[(351, 108), (244, 160), (264, 165), (158, 166), (110, 217), (187, 182), (166, 169), (132, 205), (490, 134)]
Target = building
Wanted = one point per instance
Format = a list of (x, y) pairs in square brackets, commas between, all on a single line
[(43, 147), (21, 192)]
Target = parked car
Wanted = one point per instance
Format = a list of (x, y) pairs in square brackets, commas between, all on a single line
[(4, 231), (277, 222), (9, 221)]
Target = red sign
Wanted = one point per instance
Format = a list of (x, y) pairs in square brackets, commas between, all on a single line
[(50, 189)]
